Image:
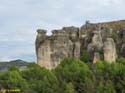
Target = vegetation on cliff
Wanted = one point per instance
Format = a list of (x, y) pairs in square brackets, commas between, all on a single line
[(115, 24), (91, 42), (71, 76)]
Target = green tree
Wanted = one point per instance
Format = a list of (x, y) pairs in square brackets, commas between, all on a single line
[(121, 60), (114, 36), (40, 79), (75, 71), (70, 88), (85, 56), (105, 87), (13, 68), (13, 80)]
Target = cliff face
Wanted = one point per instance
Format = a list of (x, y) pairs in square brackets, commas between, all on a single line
[(100, 40), (52, 49)]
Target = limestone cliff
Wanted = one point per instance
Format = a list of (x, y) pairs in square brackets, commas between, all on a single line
[(102, 41), (109, 50), (52, 49)]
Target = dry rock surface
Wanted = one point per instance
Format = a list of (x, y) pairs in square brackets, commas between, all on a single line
[(98, 39)]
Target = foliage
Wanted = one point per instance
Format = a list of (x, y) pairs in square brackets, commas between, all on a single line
[(121, 60), (40, 79), (13, 80), (114, 36), (70, 76), (85, 56), (75, 71)]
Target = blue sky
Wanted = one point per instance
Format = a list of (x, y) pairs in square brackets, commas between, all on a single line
[(19, 20)]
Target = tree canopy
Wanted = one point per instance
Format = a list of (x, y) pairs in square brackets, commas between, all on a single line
[(70, 76)]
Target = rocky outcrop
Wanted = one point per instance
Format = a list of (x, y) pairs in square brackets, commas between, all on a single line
[(96, 39), (96, 58), (122, 51), (96, 43), (52, 49), (109, 50)]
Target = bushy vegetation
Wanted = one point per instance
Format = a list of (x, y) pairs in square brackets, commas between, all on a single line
[(116, 24), (85, 56), (71, 76)]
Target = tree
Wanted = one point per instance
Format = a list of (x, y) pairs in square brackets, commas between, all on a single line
[(70, 88), (13, 80), (105, 87), (115, 36), (40, 79), (85, 56), (121, 60), (74, 71), (13, 68)]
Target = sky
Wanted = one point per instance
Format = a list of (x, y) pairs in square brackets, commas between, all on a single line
[(19, 20)]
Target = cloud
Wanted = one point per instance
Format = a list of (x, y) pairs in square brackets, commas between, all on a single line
[(19, 20)]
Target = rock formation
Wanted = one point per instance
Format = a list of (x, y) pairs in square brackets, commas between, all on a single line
[(97, 39), (96, 57), (96, 42), (122, 51), (52, 49), (109, 50)]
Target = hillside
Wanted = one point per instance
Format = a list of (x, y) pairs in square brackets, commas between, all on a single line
[(116, 25), (4, 66)]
